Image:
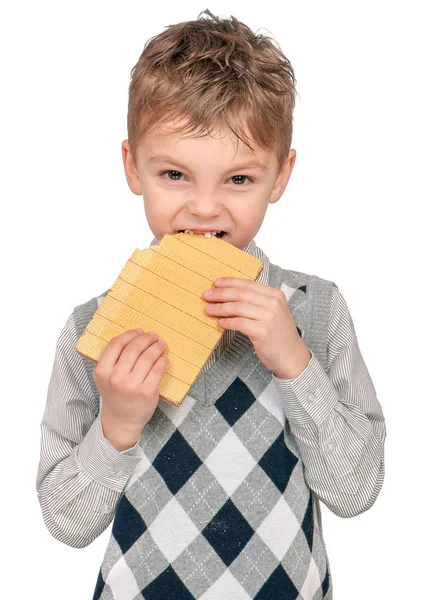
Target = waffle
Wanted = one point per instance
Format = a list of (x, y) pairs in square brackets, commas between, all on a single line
[(160, 289)]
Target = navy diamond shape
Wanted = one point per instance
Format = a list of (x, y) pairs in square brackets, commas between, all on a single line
[(278, 462), (308, 523), (236, 400), (325, 583), (176, 462), (167, 585), (128, 525), (278, 586), (228, 532), (99, 587)]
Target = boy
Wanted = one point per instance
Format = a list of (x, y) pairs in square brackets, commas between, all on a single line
[(217, 498)]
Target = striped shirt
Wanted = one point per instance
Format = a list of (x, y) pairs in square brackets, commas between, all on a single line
[(81, 476)]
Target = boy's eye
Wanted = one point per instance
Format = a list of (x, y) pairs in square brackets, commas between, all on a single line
[(174, 175), (239, 179)]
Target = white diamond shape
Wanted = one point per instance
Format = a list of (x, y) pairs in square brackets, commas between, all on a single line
[(226, 588), (312, 582), (288, 291), (279, 528), (230, 462), (172, 530), (140, 468), (122, 581), (177, 414), (271, 400)]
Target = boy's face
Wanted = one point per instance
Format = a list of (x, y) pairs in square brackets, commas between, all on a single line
[(203, 183)]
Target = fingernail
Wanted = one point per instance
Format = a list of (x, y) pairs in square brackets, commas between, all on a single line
[(208, 293), (140, 330)]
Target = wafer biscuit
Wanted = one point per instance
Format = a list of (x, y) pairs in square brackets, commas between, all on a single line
[(160, 289)]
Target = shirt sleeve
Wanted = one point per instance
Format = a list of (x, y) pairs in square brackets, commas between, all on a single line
[(337, 420), (81, 476)]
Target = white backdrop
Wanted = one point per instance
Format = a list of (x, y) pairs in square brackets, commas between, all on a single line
[(69, 223)]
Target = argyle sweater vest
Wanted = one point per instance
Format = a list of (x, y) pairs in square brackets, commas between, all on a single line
[(218, 507)]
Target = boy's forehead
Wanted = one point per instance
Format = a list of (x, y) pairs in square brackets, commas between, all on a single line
[(169, 136)]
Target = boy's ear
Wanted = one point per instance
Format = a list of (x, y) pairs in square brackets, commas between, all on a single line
[(130, 169), (283, 177)]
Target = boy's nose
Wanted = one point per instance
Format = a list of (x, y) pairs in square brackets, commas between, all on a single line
[(204, 207)]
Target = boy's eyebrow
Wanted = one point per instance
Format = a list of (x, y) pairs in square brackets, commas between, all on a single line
[(252, 164)]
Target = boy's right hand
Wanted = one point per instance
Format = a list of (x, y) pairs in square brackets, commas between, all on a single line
[(127, 375)]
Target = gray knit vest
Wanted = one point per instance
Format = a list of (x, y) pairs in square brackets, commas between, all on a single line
[(309, 306)]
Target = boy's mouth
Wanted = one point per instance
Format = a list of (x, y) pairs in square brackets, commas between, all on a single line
[(218, 234)]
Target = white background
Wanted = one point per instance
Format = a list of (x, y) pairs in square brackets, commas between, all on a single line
[(352, 213)]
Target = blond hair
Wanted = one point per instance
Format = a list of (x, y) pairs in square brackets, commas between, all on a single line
[(214, 72)]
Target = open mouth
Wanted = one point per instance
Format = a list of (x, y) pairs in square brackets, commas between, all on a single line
[(218, 235)]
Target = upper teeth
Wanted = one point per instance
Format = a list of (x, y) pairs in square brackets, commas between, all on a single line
[(206, 233)]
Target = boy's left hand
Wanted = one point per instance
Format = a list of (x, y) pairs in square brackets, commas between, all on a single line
[(261, 313)]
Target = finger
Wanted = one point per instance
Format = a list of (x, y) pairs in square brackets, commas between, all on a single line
[(113, 350), (145, 362), (243, 295), (237, 309), (239, 282), (248, 327), (132, 351), (153, 378)]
